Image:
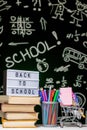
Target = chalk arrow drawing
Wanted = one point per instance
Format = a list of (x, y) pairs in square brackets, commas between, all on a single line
[(1, 29), (2, 3), (6, 8), (17, 43), (43, 23)]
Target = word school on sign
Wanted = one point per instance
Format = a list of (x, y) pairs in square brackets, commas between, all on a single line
[(22, 92)]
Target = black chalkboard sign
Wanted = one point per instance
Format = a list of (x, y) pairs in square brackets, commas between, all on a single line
[(49, 36)]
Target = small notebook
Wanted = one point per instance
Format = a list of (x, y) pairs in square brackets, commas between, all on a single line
[(66, 96)]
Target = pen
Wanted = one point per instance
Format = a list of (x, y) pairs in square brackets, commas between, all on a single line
[(52, 94), (49, 94), (45, 95), (40, 94), (55, 95)]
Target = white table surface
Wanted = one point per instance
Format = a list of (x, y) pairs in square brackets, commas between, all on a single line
[(84, 127)]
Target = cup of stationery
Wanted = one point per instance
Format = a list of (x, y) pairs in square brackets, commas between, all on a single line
[(49, 113)]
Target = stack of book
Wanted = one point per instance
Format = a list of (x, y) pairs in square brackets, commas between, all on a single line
[(19, 111)]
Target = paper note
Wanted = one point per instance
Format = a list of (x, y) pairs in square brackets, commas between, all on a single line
[(66, 96)]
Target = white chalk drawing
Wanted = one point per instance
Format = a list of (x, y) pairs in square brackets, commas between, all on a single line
[(63, 82), (1, 29), (42, 65), (31, 52), (85, 44), (58, 9), (1, 89), (37, 5), (76, 36), (62, 69), (43, 23), (81, 99), (18, 2), (21, 26), (17, 43), (1, 44), (78, 81), (49, 83), (77, 57), (0, 18), (26, 6), (77, 14), (4, 5), (56, 37)]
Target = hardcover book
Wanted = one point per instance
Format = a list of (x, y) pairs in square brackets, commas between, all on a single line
[(20, 115), (18, 123), (19, 99), (18, 107)]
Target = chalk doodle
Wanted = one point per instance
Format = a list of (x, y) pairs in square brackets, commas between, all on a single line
[(81, 99), (63, 82), (85, 44), (4, 5), (17, 43), (32, 52), (77, 57), (59, 9), (62, 69), (56, 37), (37, 5), (78, 81), (49, 83), (77, 14), (1, 89), (0, 18), (1, 44), (18, 2), (43, 23), (1, 29), (76, 36), (21, 26), (26, 6), (42, 65)]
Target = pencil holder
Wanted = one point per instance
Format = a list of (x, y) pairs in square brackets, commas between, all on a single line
[(49, 113)]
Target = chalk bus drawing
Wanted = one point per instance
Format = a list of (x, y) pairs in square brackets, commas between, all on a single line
[(58, 9), (77, 57), (77, 14), (42, 66)]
